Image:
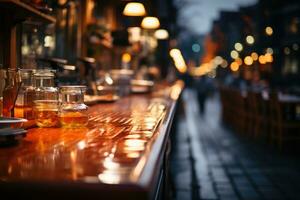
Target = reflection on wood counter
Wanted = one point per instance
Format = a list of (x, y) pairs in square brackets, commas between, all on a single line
[(121, 150)]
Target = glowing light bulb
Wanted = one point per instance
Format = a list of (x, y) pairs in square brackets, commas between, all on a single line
[(150, 23), (134, 9)]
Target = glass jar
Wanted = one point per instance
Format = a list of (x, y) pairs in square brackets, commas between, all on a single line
[(46, 105), (10, 92), (25, 97), (73, 111), (46, 113), (44, 85), (106, 86), (122, 79)]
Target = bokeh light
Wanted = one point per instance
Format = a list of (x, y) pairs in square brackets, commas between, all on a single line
[(250, 39)]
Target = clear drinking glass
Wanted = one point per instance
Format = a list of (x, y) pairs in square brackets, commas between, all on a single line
[(10, 92), (122, 79), (73, 111), (106, 86), (25, 97)]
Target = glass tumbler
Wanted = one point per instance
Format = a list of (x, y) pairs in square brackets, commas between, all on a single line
[(73, 111), (25, 97), (10, 91)]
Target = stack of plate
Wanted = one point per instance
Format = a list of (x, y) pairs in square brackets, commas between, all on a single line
[(9, 135)]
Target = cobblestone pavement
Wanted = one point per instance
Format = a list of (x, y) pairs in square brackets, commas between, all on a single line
[(209, 161)]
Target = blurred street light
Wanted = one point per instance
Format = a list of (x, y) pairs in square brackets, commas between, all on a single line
[(161, 34), (269, 31), (250, 39), (150, 23), (234, 54), (248, 60), (134, 9), (238, 46)]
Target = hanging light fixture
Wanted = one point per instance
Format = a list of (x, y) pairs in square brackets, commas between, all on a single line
[(161, 34), (150, 23), (134, 9)]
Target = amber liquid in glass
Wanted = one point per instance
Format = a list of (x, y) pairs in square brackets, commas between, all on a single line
[(1, 106), (46, 117), (9, 96), (26, 110), (73, 119)]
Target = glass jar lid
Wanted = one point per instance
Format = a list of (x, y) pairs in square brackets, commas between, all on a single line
[(44, 72), (72, 89)]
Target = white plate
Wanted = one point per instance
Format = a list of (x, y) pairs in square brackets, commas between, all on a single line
[(11, 120)]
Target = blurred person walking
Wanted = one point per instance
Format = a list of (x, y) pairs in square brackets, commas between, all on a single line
[(202, 89)]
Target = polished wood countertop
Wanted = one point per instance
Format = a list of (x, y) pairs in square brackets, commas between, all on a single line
[(121, 150)]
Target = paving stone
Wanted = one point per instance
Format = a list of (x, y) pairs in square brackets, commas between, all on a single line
[(221, 164), (248, 193), (183, 180), (235, 171), (183, 195), (260, 180), (207, 192), (270, 193)]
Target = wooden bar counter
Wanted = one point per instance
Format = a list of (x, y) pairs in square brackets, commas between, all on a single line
[(120, 155)]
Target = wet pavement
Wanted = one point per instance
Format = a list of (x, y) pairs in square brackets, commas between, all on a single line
[(210, 161)]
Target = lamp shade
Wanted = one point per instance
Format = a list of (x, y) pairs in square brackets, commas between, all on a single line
[(134, 9), (150, 23)]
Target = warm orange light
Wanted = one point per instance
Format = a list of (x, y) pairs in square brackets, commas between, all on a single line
[(134, 9), (234, 66), (178, 60), (262, 59), (161, 34), (248, 60), (269, 30), (218, 60), (224, 64), (134, 34), (254, 56), (203, 69), (174, 52), (250, 39), (126, 57), (238, 46), (150, 23), (234, 54), (239, 61), (268, 57)]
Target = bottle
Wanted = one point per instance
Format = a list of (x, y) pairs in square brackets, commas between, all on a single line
[(73, 111)]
